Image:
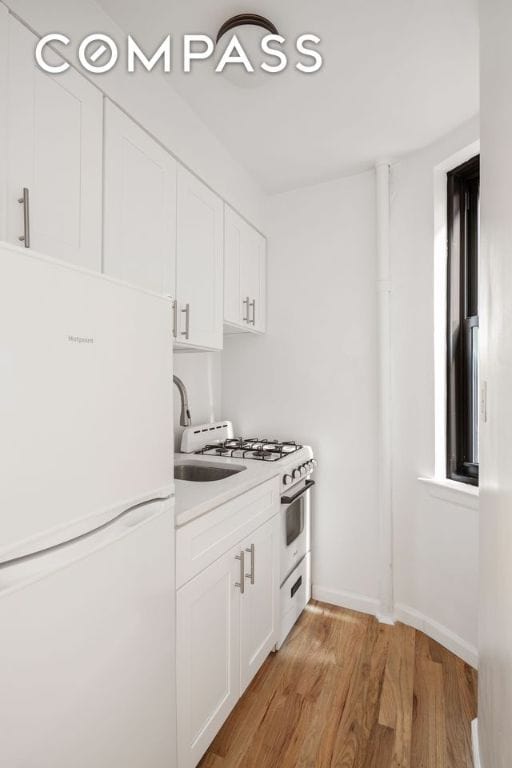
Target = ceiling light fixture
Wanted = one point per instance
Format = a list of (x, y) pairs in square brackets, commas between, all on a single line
[(249, 29)]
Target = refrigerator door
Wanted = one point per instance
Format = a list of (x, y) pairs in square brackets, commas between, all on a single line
[(86, 400), (87, 649)]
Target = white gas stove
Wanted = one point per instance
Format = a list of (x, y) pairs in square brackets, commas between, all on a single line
[(296, 464), (218, 440)]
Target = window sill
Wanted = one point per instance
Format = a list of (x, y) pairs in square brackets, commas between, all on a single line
[(462, 494)]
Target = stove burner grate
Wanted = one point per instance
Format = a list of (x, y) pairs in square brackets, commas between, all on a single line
[(251, 448)]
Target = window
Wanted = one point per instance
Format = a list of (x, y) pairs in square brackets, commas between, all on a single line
[(462, 325)]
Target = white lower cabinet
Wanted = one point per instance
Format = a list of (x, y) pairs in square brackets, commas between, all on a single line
[(227, 624), (207, 656), (259, 606)]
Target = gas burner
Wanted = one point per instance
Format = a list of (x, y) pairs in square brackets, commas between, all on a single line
[(262, 453)]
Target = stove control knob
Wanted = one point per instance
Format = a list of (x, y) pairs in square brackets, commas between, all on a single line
[(287, 479), (314, 463), (303, 469), (309, 466), (296, 473)]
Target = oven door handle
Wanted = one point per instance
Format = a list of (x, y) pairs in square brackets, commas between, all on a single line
[(290, 499)]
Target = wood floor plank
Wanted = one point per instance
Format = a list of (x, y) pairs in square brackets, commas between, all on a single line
[(375, 738), (429, 744), (349, 631), (347, 692), (460, 701), (396, 709), (380, 747)]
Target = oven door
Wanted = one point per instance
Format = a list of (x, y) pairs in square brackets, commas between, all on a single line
[(295, 527)]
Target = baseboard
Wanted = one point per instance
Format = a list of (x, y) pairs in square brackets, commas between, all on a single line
[(385, 618), (351, 600), (477, 763), (404, 613), (438, 632)]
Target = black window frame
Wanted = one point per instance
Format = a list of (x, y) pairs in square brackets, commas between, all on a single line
[(463, 184)]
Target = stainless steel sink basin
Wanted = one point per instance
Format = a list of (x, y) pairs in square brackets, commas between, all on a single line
[(204, 473)]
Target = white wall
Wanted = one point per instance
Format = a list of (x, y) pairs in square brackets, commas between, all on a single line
[(495, 679), (150, 99), (312, 377), (435, 541)]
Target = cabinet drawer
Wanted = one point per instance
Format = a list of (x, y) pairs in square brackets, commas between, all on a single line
[(295, 594), (202, 541)]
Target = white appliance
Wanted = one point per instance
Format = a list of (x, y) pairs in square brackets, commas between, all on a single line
[(87, 531), (296, 464)]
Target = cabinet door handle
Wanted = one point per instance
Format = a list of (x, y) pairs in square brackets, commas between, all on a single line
[(186, 332), (24, 200), (246, 305), (251, 551), (175, 319), (253, 305), (241, 584)]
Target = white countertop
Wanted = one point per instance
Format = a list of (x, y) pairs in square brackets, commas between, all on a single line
[(194, 499)]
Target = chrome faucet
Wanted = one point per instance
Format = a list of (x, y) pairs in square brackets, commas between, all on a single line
[(185, 420)]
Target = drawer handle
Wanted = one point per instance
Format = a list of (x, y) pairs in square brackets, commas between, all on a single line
[(251, 551), (186, 332), (296, 586), (241, 584), (24, 201), (246, 305)]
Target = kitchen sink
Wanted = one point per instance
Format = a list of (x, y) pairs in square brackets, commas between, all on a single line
[(204, 473)]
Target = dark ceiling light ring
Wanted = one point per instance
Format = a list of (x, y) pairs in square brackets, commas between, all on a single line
[(243, 19)]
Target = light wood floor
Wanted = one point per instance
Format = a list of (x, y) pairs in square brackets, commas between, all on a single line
[(348, 692)]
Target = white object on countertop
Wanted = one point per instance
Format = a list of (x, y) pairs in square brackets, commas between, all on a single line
[(195, 438), (87, 582)]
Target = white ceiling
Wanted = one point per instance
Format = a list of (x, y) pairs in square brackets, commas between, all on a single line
[(397, 75)]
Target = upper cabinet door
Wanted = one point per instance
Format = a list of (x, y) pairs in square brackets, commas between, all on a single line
[(140, 206), (244, 274), (55, 152), (199, 261), (253, 278), (235, 306)]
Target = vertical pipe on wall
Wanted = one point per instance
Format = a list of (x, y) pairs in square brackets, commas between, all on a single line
[(385, 572)]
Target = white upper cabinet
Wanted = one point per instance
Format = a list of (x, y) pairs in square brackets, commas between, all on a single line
[(244, 274), (140, 206), (54, 151), (199, 261)]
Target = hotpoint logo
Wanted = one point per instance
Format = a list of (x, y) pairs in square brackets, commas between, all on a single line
[(98, 53)]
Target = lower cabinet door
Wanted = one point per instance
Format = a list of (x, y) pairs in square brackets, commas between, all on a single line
[(207, 655), (259, 605)]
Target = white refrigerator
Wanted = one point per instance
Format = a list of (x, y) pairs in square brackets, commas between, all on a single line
[(87, 591)]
